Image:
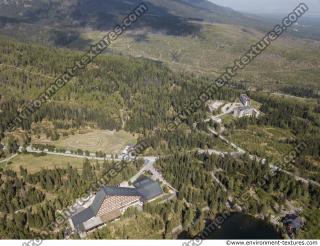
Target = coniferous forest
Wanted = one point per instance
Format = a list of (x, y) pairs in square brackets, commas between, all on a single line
[(141, 96)]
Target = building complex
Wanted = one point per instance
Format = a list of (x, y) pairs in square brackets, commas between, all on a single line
[(110, 203), (245, 109)]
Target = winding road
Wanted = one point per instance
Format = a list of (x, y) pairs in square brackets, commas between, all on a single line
[(262, 160), (148, 162)]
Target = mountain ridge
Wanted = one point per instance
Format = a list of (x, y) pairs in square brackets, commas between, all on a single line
[(98, 14)]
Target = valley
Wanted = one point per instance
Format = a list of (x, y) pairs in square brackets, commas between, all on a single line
[(99, 159)]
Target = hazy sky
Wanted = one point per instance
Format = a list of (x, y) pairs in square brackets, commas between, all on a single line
[(269, 6)]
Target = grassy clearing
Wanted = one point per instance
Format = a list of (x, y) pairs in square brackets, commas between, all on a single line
[(34, 163), (256, 104), (2, 164), (264, 142), (228, 118), (110, 142)]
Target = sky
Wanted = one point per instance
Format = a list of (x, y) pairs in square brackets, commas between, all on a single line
[(269, 6)]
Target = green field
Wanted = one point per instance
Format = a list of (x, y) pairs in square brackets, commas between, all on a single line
[(109, 142), (228, 118), (34, 163)]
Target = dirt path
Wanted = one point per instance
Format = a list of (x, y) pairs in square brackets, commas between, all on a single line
[(8, 159)]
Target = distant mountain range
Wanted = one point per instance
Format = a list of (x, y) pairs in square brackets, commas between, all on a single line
[(61, 22), (170, 16), (85, 11)]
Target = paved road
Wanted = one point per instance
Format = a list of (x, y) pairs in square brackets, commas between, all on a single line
[(149, 166), (262, 160), (298, 178), (171, 197), (149, 162), (226, 109), (217, 152), (240, 150), (92, 156)]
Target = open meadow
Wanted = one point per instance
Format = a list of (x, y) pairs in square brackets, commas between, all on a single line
[(110, 142), (35, 162)]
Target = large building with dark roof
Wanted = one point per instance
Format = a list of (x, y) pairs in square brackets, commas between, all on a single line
[(111, 202)]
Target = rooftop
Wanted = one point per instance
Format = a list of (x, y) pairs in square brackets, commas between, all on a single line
[(293, 220), (145, 188), (245, 97), (148, 188)]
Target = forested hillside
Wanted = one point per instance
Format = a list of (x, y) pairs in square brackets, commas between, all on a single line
[(30, 203), (114, 92), (141, 97), (191, 36), (109, 86)]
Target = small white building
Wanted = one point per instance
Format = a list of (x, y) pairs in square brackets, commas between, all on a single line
[(245, 112), (127, 149)]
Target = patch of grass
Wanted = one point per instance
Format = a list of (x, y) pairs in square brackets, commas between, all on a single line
[(34, 163), (228, 118), (2, 165), (109, 142), (255, 104)]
